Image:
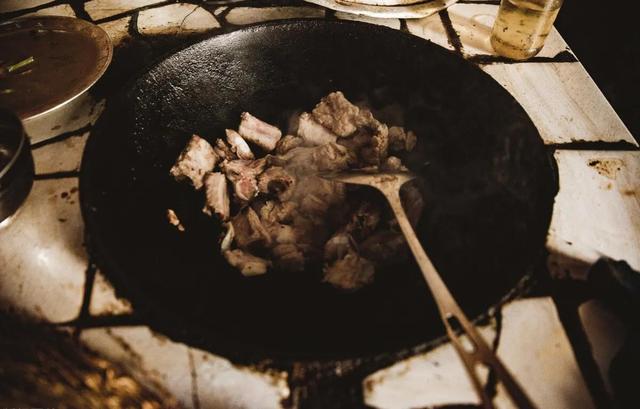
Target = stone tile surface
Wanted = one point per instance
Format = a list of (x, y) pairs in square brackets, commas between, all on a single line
[(99, 9), (597, 210), (42, 257), (118, 30), (248, 15), (62, 156), (562, 100), (430, 28), (59, 10), (431, 379), (181, 18), (389, 22), (104, 300)]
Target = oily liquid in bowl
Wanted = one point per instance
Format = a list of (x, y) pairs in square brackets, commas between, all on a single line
[(522, 26)]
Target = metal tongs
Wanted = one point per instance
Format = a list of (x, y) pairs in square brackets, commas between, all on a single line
[(473, 350)]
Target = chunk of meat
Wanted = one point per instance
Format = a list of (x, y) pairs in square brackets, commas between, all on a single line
[(393, 164), (217, 196), (400, 140), (248, 264), (336, 113), (349, 273), (383, 246), (312, 133), (281, 233), (276, 212), (276, 180), (224, 151), (338, 246), (309, 160), (287, 143), (364, 220), (249, 230), (173, 219), (375, 152), (238, 145), (288, 257), (316, 195), (197, 158), (258, 132), (243, 175)]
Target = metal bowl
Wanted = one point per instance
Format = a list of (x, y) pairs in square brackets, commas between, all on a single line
[(16, 165)]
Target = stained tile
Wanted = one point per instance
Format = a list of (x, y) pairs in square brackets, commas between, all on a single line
[(389, 22), (535, 348), (60, 156), (151, 358), (473, 23), (248, 15), (99, 9), (597, 210), (431, 379), (42, 255), (220, 384), (104, 300), (118, 30), (178, 18), (430, 28), (64, 10), (562, 100)]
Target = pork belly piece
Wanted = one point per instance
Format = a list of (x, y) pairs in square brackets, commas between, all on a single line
[(271, 211), (238, 145), (276, 180), (197, 158), (393, 164), (243, 175), (287, 143), (384, 246), (363, 220), (173, 219), (258, 132), (281, 233), (338, 246), (312, 133), (400, 140), (248, 264), (217, 196), (310, 160), (336, 113), (317, 195), (224, 151), (248, 230), (375, 152), (349, 273), (288, 257)]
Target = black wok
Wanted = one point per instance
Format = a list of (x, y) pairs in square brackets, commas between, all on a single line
[(488, 183)]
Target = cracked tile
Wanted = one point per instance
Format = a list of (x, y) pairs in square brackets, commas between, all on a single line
[(535, 348), (389, 22), (99, 9), (220, 384), (431, 379), (562, 100), (60, 156), (249, 15), (181, 18), (42, 255), (596, 212)]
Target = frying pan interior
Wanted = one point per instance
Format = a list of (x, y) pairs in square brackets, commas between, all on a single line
[(487, 181)]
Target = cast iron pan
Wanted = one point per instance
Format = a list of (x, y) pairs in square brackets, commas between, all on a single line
[(488, 184)]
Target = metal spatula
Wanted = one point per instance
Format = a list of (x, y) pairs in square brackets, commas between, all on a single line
[(471, 347)]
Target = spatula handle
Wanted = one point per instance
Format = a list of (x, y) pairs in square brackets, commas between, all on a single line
[(475, 352)]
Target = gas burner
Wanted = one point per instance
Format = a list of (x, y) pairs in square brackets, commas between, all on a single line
[(387, 8)]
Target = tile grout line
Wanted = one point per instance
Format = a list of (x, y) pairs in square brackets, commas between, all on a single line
[(452, 34)]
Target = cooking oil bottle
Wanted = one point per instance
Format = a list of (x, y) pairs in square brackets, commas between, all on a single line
[(522, 26)]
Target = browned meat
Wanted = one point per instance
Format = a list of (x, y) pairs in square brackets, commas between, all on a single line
[(393, 164), (281, 233), (309, 160), (376, 150), (399, 140), (316, 195), (364, 220), (249, 230), (238, 145), (338, 246), (217, 197), (349, 273), (287, 143), (336, 113), (197, 158), (288, 257), (224, 151), (248, 264), (243, 174), (276, 180), (276, 212), (258, 132), (384, 246), (173, 219), (312, 133)]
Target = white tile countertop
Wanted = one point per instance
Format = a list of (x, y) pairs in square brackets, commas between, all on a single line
[(45, 271)]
